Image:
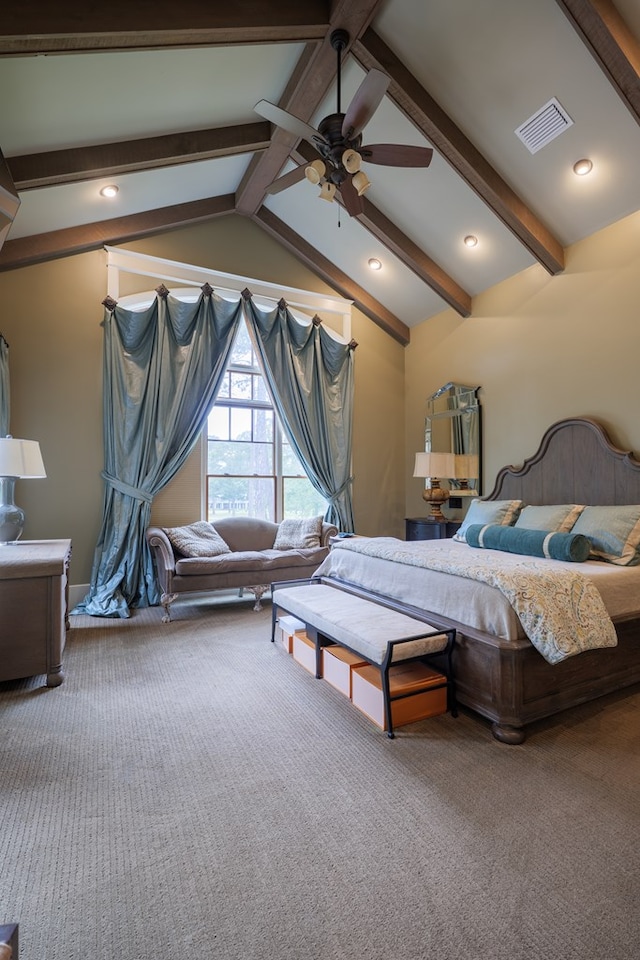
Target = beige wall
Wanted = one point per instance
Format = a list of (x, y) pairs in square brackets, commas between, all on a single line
[(50, 315), (541, 348)]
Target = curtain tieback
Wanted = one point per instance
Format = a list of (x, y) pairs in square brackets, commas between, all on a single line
[(126, 488), (338, 493)]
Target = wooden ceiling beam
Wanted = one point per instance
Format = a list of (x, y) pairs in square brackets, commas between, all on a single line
[(408, 252), (314, 75), (111, 159), (407, 93), (25, 251), (332, 276), (77, 26), (9, 200), (415, 258), (611, 43)]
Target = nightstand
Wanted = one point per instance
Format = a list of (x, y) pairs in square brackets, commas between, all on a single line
[(424, 528)]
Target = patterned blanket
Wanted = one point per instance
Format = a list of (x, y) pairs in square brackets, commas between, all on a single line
[(561, 611)]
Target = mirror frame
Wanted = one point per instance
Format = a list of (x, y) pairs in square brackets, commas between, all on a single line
[(456, 400)]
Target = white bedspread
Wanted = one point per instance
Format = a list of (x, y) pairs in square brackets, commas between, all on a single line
[(557, 604)]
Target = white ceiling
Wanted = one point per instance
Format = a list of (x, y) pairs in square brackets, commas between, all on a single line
[(488, 65)]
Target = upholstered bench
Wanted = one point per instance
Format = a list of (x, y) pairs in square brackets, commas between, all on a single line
[(380, 634)]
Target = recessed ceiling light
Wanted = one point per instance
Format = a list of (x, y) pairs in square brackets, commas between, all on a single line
[(109, 191), (470, 241), (582, 167), (375, 264)]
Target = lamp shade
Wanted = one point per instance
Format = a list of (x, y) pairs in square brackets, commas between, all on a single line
[(315, 171), (20, 458), (434, 465)]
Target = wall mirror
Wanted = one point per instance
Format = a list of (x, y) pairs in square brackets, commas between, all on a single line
[(453, 426)]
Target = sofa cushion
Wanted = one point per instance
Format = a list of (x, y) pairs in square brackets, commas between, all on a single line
[(298, 534), (199, 539), (246, 561)]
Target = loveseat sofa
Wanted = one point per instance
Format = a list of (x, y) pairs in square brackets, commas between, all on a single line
[(236, 552)]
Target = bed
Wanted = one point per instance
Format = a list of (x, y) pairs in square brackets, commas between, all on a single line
[(499, 672)]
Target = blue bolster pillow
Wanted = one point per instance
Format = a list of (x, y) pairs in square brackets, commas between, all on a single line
[(532, 543)]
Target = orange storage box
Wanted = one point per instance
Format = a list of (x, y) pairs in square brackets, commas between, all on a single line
[(286, 628), (304, 652), (414, 678), (337, 667)]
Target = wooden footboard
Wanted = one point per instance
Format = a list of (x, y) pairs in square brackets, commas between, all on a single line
[(512, 685)]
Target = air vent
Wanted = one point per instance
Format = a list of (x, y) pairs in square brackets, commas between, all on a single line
[(544, 126)]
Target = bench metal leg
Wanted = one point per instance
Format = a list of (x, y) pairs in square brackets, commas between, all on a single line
[(386, 693)]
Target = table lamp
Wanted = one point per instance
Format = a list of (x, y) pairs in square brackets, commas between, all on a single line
[(19, 459), (435, 467)]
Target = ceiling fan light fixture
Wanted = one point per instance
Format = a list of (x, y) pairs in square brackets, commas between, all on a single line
[(351, 161), (327, 191), (315, 171), (582, 167), (361, 182)]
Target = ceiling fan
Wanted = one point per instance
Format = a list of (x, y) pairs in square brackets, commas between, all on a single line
[(338, 140)]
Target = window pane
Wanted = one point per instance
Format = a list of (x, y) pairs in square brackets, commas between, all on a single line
[(218, 423), (245, 459), (263, 425), (233, 497), (301, 500), (240, 423), (260, 390), (224, 388), (261, 458), (291, 466), (241, 386), (242, 353)]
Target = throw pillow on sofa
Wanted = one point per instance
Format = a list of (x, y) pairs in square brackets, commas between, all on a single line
[(199, 539), (298, 534)]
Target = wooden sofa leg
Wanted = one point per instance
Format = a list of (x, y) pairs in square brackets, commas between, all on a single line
[(166, 600), (258, 591)]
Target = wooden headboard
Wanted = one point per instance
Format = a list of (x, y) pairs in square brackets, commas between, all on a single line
[(575, 463)]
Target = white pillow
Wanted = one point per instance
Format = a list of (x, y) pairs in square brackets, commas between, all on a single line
[(503, 512), (560, 517), (298, 534), (614, 532), (198, 539)]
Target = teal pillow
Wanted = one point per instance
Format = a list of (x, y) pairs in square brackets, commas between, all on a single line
[(503, 512), (559, 517), (532, 543), (614, 533)]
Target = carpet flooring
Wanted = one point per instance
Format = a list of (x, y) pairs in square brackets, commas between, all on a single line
[(190, 791)]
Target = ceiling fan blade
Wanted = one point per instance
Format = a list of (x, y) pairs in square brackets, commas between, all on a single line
[(366, 101), (396, 155), (353, 203), (288, 180), (288, 122)]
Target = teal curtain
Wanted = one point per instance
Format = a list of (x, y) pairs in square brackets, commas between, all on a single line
[(162, 369), (4, 387), (310, 378)]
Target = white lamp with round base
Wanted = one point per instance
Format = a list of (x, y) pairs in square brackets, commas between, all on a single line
[(19, 459)]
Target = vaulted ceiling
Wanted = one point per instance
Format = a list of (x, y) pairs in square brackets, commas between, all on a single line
[(158, 98)]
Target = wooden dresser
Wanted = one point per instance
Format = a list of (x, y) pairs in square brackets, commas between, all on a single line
[(33, 608)]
